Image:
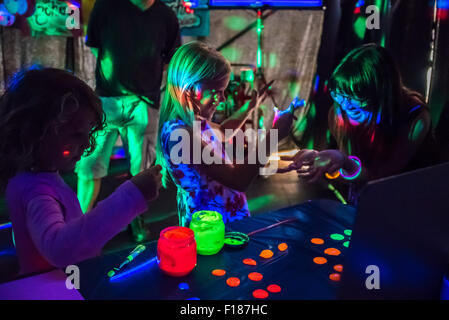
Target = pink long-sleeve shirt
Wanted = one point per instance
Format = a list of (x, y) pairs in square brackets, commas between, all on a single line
[(49, 227)]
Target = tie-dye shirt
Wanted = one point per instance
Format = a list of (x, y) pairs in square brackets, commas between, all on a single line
[(197, 191)]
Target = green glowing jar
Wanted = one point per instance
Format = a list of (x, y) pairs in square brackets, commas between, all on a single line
[(209, 231)]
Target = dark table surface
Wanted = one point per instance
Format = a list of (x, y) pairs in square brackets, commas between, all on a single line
[(293, 270)]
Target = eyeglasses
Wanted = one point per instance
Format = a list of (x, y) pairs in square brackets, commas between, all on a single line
[(341, 99)]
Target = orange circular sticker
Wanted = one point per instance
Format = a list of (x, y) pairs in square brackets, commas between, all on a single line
[(317, 241), (255, 276), (319, 260), (233, 282), (332, 252), (335, 276), (282, 246), (250, 262), (260, 294), (219, 272), (266, 254)]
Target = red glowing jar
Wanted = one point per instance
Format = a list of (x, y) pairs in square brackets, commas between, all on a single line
[(176, 251)]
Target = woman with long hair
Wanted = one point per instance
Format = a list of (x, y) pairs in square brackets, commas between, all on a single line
[(380, 126)]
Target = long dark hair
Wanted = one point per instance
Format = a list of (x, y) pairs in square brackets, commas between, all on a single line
[(34, 104), (369, 73)]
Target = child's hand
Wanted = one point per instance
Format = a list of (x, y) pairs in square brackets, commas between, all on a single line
[(149, 182), (257, 97), (283, 120)]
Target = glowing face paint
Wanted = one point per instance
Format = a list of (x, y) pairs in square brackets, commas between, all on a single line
[(346, 244), (66, 153), (250, 262), (209, 231), (209, 95), (348, 232), (335, 277), (176, 251)]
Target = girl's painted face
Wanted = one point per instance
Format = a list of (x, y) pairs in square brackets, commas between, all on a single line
[(355, 108), (62, 150), (210, 95)]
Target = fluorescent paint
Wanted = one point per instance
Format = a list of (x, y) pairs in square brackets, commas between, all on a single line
[(209, 231), (176, 251)]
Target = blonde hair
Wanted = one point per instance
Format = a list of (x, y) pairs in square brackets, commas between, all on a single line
[(192, 64)]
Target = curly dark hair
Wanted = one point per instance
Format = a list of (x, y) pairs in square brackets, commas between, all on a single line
[(35, 103)]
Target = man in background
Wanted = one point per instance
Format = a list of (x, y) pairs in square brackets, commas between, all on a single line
[(133, 41)]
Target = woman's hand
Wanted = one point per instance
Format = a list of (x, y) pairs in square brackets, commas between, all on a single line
[(327, 161), (302, 158), (149, 182)]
